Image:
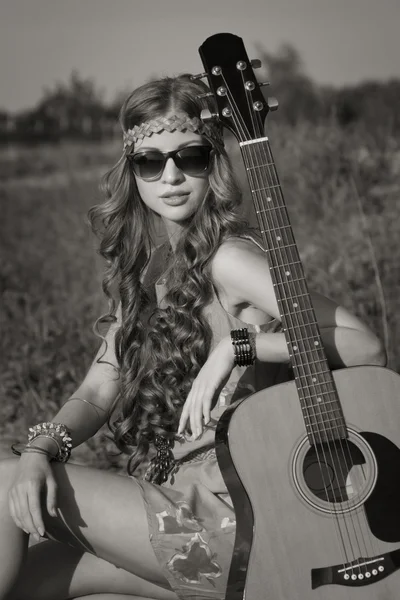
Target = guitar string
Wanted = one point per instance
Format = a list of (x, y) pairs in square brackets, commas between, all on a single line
[(279, 228), (255, 184), (340, 537), (240, 128), (336, 447), (232, 101), (269, 159)]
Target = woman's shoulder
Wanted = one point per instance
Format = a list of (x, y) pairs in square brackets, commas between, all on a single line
[(237, 247), (234, 259)]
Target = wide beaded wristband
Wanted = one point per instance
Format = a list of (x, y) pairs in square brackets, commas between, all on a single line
[(243, 347), (56, 431)]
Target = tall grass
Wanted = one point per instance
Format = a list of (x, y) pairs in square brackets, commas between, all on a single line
[(342, 191)]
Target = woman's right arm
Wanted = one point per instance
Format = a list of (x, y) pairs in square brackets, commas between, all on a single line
[(100, 387)]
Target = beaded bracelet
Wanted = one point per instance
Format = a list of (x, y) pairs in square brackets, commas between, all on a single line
[(243, 347), (37, 450), (56, 431)]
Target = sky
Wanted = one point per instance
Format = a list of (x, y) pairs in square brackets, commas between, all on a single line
[(121, 43)]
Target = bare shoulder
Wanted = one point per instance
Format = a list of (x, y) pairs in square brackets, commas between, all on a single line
[(236, 267), (235, 256)]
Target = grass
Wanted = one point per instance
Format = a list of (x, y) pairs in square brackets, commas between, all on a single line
[(342, 191)]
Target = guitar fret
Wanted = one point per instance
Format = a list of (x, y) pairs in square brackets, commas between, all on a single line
[(286, 266), (299, 326), (315, 375), (321, 360), (293, 297), (263, 210), (297, 351), (275, 229), (259, 167), (317, 394), (330, 419), (274, 207), (320, 394), (303, 339), (302, 310), (329, 410), (264, 188), (270, 248), (289, 281)]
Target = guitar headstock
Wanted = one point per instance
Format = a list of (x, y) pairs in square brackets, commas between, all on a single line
[(241, 106)]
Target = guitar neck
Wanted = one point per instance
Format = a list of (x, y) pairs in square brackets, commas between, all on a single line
[(307, 355)]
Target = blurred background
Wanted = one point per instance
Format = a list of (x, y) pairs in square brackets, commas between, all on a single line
[(66, 66)]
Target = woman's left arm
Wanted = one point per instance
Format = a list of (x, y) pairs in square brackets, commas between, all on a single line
[(241, 272), (347, 340)]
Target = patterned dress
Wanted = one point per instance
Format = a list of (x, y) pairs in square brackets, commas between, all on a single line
[(191, 520)]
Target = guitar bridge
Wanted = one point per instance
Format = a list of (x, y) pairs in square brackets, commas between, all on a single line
[(360, 572)]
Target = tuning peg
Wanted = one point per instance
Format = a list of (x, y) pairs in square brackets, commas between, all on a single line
[(264, 83), (207, 115), (272, 103), (206, 95), (255, 63), (198, 76)]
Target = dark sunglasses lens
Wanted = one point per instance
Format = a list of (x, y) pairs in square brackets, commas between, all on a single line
[(193, 160), (148, 164)]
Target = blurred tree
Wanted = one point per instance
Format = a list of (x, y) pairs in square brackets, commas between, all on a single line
[(297, 94), (76, 106), (374, 103)]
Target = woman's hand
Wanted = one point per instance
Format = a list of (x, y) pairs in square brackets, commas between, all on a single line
[(213, 375), (34, 474)]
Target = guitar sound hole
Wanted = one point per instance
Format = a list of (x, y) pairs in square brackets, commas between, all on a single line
[(334, 471)]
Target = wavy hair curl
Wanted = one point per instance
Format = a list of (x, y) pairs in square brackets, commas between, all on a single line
[(160, 351)]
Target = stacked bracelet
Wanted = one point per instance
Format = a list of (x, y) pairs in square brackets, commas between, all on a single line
[(37, 450), (58, 433), (243, 347)]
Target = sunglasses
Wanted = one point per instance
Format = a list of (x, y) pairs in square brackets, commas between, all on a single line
[(191, 160)]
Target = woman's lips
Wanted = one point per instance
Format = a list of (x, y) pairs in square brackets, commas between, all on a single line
[(175, 200)]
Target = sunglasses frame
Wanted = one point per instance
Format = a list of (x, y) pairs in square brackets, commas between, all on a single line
[(166, 155)]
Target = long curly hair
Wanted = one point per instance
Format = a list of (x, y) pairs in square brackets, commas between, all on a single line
[(160, 350)]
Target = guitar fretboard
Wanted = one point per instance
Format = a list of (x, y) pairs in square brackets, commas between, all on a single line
[(318, 397)]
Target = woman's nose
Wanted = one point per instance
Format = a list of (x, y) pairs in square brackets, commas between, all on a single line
[(171, 172)]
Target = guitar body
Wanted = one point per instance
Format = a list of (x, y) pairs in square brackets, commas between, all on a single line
[(288, 529)]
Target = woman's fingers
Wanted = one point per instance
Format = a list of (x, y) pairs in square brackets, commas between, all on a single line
[(196, 407), (13, 511), (196, 415), (35, 509), (206, 414), (51, 500), (184, 417), (27, 510), (23, 514)]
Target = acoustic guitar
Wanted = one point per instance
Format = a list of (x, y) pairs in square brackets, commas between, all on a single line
[(312, 465)]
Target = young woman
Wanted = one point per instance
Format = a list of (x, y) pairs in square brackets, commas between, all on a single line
[(165, 372)]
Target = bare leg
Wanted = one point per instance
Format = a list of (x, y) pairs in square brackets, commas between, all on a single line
[(110, 597), (13, 541), (105, 546)]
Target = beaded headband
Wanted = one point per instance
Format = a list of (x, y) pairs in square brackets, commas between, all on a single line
[(172, 123)]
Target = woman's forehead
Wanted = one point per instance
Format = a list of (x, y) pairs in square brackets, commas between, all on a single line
[(169, 140)]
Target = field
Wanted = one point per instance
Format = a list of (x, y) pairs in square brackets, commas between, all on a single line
[(342, 189)]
